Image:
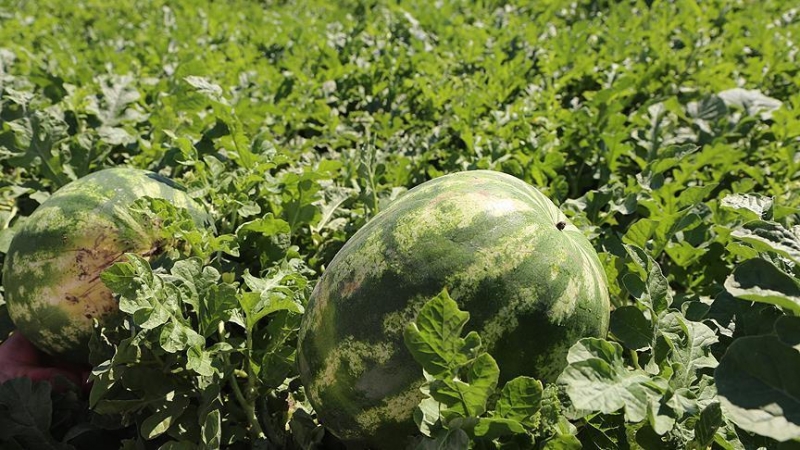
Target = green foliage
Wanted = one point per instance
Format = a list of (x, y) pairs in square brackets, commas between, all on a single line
[(200, 350), (762, 365), (666, 130), (462, 385)]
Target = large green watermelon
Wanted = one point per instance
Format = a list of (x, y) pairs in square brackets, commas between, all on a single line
[(531, 281), (51, 274)]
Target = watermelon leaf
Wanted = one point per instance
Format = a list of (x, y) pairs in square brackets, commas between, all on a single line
[(630, 326), (706, 427), (468, 399), (455, 439), (493, 428), (751, 207), (690, 344), (770, 236), (596, 379), (646, 282), (212, 430), (762, 281), (164, 415), (758, 387), (787, 328), (434, 338), (273, 295), (26, 409), (520, 399), (457, 396)]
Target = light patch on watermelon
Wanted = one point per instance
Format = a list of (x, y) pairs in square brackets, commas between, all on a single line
[(62, 341), (501, 207), (512, 185), (30, 267), (369, 264), (597, 274), (501, 258), (321, 296), (506, 319), (395, 322), (557, 352), (446, 212), (354, 354), (564, 307), (393, 409), (596, 278)]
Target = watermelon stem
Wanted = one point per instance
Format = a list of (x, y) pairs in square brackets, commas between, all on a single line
[(13, 213), (635, 360), (248, 407), (247, 403), (252, 394)]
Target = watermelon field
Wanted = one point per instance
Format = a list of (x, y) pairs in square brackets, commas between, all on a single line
[(363, 224)]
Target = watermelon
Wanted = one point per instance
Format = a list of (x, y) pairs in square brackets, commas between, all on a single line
[(531, 281), (51, 273)]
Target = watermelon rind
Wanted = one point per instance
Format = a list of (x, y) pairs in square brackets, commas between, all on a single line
[(51, 273), (531, 281)]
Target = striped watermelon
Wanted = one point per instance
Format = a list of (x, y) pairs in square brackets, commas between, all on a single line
[(51, 274), (531, 281)]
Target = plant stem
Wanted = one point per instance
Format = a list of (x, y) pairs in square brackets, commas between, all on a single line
[(635, 359), (247, 404), (257, 430), (248, 407), (13, 212)]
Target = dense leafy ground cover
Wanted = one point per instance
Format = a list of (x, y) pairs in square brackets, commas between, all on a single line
[(667, 130)]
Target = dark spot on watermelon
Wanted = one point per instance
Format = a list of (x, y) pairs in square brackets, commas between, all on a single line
[(561, 225)]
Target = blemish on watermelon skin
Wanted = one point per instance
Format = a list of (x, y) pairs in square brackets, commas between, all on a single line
[(52, 270)]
